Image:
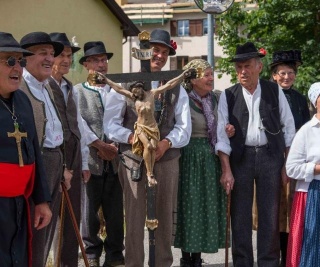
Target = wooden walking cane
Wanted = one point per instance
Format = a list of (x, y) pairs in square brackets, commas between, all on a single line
[(62, 214), (74, 223), (227, 230)]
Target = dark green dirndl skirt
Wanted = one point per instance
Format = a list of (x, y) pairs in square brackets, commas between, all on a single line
[(201, 221)]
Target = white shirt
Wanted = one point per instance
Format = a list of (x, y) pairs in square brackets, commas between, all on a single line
[(53, 129), (256, 133), (304, 154), (104, 92), (84, 148), (115, 109), (64, 88)]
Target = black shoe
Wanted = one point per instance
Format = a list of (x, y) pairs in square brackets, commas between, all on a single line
[(118, 263), (197, 263), (185, 263)]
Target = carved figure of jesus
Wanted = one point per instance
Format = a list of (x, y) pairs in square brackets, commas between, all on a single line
[(146, 134)]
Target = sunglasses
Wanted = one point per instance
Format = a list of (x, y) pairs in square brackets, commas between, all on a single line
[(12, 61)]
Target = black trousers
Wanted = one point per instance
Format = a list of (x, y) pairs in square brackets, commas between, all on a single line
[(260, 166), (13, 232), (104, 191)]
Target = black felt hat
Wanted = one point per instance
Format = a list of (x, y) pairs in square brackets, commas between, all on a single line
[(289, 56), (245, 52), (9, 44), (160, 36), (40, 38), (94, 48), (62, 38)]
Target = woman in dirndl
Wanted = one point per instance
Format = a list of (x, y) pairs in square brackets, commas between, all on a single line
[(303, 164), (201, 200)]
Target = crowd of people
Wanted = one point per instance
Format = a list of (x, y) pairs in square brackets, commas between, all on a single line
[(253, 143)]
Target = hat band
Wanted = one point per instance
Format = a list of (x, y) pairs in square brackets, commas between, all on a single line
[(246, 55)]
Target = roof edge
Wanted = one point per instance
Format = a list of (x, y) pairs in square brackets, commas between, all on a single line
[(127, 26)]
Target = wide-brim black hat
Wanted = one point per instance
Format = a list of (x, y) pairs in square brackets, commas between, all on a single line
[(9, 44), (92, 49), (245, 52), (62, 38), (41, 38), (160, 36), (288, 56)]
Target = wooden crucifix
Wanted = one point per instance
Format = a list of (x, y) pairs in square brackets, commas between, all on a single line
[(146, 131), (144, 54), (18, 135)]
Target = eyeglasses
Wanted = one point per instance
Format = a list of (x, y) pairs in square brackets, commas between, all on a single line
[(12, 61), (283, 73), (97, 61)]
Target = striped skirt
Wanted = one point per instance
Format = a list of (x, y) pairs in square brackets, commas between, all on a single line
[(296, 229), (310, 255)]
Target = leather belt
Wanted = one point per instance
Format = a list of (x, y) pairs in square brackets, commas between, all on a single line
[(57, 148), (257, 147)]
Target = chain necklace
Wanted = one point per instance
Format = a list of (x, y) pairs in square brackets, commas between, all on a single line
[(161, 104), (13, 116)]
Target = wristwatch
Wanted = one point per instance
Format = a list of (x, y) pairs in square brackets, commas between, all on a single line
[(169, 142)]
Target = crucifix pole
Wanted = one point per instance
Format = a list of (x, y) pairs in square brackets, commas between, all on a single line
[(151, 221)]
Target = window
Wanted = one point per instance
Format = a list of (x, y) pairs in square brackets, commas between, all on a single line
[(173, 28), (197, 27), (183, 27), (205, 26), (204, 57), (182, 61)]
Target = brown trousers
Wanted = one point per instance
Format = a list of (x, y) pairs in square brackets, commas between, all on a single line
[(166, 174), (42, 239), (70, 245)]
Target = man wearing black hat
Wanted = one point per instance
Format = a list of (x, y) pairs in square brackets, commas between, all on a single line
[(103, 188), (76, 150), (22, 173), (264, 129), (49, 129), (284, 68), (173, 118)]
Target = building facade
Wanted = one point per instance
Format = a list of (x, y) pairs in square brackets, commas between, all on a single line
[(88, 20), (188, 26)]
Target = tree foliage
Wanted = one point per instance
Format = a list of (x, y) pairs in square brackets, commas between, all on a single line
[(274, 25)]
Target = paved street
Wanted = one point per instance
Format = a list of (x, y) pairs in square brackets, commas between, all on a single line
[(210, 260)]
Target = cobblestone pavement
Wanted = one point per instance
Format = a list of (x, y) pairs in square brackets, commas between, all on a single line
[(210, 260)]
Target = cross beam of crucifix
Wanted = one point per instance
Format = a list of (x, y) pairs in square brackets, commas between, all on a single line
[(142, 76)]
